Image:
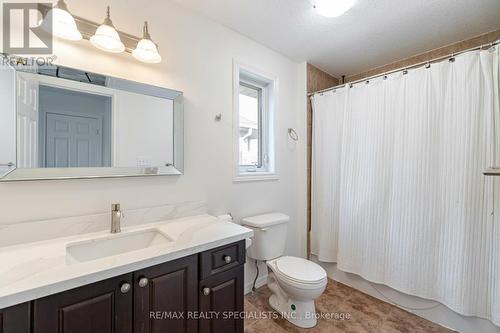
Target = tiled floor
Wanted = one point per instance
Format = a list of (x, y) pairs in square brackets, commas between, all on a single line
[(366, 314)]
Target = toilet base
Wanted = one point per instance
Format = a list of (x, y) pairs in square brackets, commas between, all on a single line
[(299, 313), (294, 301)]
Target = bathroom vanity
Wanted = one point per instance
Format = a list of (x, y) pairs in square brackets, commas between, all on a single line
[(78, 275), (193, 283)]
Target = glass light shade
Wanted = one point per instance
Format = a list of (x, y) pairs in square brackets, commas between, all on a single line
[(106, 38), (63, 24), (146, 51), (333, 8)]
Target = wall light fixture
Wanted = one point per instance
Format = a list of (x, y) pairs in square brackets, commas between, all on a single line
[(146, 50), (106, 37), (63, 23)]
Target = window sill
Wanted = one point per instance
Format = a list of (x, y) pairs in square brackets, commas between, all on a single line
[(255, 177)]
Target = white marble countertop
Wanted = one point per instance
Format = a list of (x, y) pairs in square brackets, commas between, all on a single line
[(34, 270)]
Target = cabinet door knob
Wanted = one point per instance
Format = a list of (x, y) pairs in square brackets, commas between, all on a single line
[(206, 291), (143, 281), (227, 259), (125, 288)]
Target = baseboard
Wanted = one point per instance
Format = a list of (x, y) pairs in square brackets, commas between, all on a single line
[(259, 283)]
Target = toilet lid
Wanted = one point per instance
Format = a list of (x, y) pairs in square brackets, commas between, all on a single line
[(300, 269)]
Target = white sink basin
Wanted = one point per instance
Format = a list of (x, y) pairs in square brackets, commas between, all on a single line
[(114, 244)]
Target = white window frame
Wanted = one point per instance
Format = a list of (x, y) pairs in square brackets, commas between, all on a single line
[(269, 85)]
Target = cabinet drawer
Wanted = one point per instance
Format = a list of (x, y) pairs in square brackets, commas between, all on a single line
[(222, 258)]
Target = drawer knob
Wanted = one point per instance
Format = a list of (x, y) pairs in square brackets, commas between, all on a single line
[(227, 259), (206, 291), (125, 288), (143, 281)]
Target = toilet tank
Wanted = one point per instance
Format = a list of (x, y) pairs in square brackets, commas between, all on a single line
[(269, 235)]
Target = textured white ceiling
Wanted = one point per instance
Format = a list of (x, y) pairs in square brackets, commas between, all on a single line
[(372, 33)]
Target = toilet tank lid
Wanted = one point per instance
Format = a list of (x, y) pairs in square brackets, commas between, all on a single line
[(265, 220)]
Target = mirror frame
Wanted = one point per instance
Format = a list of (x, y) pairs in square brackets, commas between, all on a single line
[(177, 168)]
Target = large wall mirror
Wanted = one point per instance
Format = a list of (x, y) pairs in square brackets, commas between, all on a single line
[(59, 122)]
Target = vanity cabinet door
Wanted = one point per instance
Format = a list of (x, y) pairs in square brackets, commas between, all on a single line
[(15, 319), (164, 295), (101, 307), (221, 297)]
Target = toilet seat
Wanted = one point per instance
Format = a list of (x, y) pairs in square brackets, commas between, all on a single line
[(300, 271)]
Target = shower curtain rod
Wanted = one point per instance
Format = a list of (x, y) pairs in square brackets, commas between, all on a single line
[(427, 63)]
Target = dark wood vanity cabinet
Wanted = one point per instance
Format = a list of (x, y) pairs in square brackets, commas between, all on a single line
[(164, 295), (15, 319), (221, 289), (101, 307), (173, 297), (221, 299)]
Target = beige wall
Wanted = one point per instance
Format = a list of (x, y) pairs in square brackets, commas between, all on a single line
[(429, 55), (318, 80)]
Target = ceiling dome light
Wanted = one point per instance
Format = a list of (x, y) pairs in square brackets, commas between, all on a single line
[(333, 8), (106, 37), (63, 23), (146, 50)]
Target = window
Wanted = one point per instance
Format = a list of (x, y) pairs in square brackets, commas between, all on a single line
[(250, 127), (254, 118)]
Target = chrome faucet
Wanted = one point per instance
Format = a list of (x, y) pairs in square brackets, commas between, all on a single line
[(116, 215)]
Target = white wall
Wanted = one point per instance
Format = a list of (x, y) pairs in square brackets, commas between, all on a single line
[(143, 128), (197, 59)]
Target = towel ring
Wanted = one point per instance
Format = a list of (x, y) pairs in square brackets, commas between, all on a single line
[(293, 135)]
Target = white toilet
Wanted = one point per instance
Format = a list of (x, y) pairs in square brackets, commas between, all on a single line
[(295, 282)]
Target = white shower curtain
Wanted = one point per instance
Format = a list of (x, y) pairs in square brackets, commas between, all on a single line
[(398, 192), (327, 148)]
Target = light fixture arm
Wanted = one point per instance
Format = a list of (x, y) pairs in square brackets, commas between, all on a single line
[(62, 5), (145, 31), (107, 20)]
